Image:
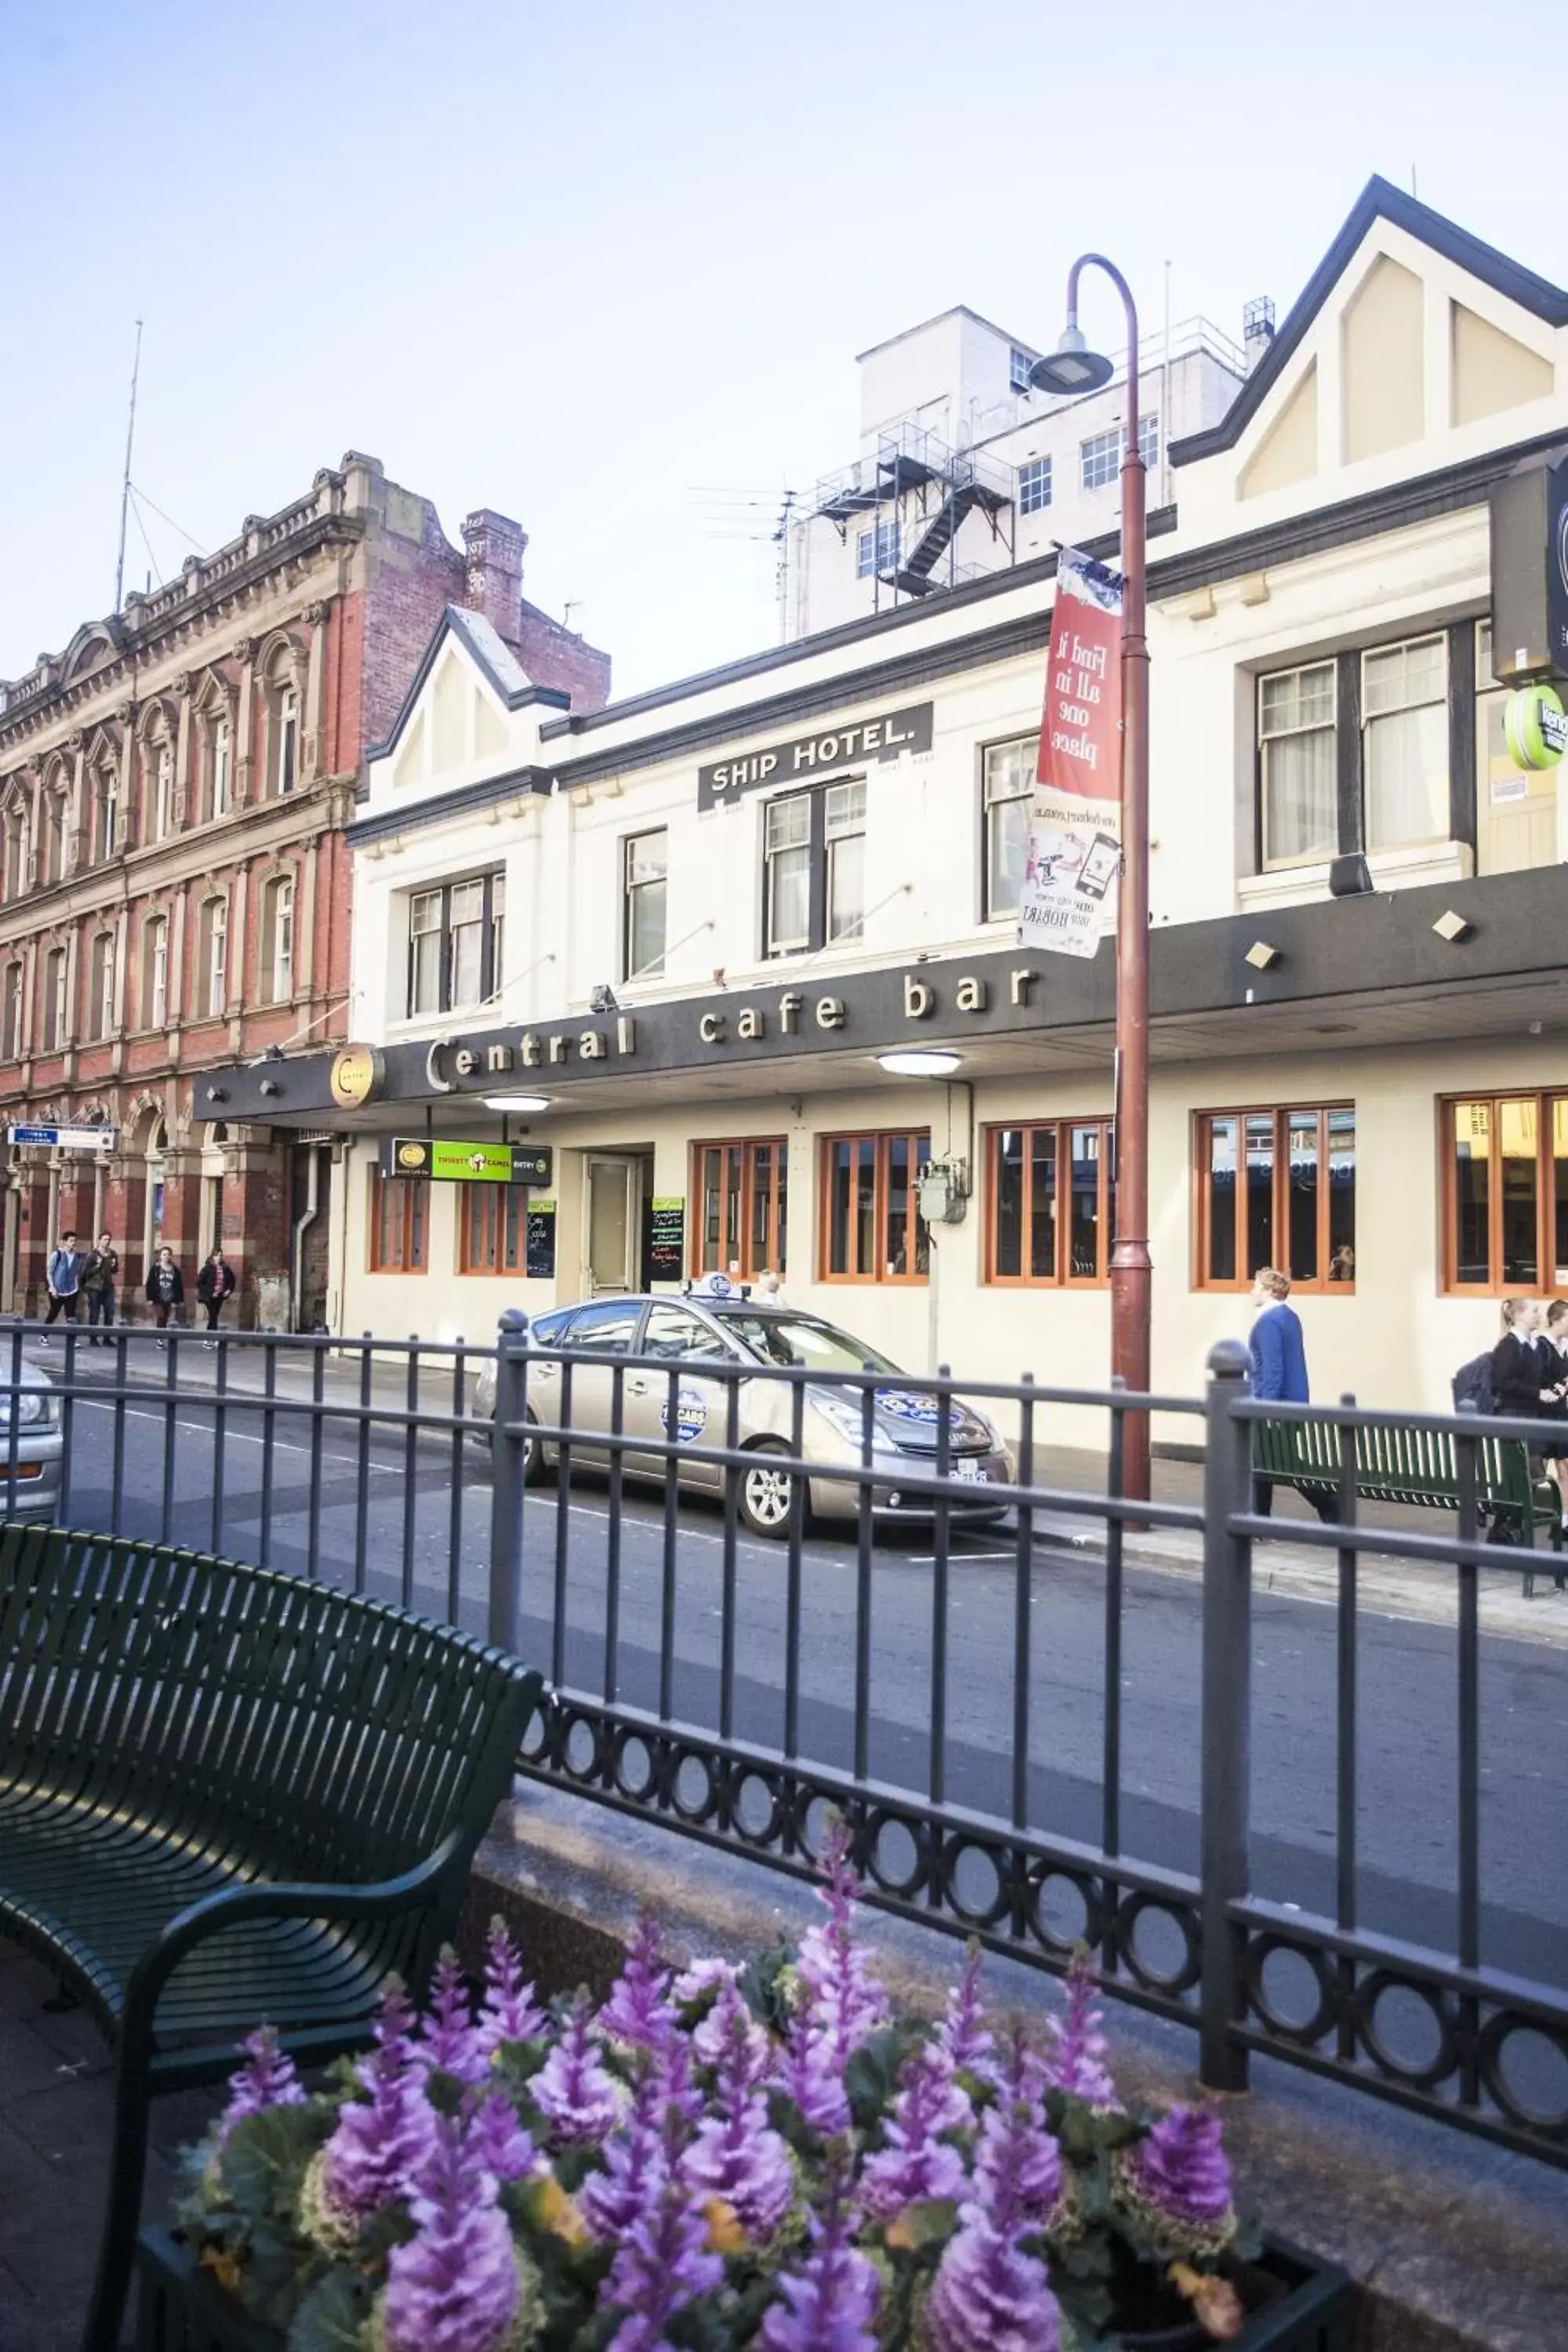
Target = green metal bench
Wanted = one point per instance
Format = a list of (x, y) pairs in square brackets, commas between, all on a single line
[(228, 1796), (1395, 1464)]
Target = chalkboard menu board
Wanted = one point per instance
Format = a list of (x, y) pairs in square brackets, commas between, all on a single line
[(540, 1261), (667, 1240)]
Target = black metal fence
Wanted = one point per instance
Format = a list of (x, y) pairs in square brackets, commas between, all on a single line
[(1234, 1802)]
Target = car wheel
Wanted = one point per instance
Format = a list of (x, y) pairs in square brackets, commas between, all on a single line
[(533, 1454), (767, 1486)]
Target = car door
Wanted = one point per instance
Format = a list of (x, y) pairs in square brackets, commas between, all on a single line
[(678, 1336), (603, 1331)]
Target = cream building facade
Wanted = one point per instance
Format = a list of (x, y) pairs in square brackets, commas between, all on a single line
[(692, 921)]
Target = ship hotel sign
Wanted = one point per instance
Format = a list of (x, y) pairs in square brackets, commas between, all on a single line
[(805, 758)]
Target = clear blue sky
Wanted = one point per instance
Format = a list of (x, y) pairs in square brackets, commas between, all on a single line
[(582, 262)]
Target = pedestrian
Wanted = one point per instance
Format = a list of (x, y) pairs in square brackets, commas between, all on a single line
[(62, 1277), (1553, 1347), (1279, 1366), (165, 1290), (768, 1289), (98, 1279), (214, 1284), (1520, 1386)]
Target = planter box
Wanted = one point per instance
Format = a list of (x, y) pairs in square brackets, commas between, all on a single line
[(183, 2309)]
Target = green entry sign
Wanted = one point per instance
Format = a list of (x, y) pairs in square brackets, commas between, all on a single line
[(1534, 728), (466, 1164)]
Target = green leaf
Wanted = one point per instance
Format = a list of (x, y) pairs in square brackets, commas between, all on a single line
[(265, 2157), (871, 2075), (760, 1988), (332, 2316), (929, 2222)]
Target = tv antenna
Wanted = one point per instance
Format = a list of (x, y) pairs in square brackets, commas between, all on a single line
[(125, 485)]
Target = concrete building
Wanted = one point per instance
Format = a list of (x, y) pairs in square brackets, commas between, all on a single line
[(174, 882), (692, 920)]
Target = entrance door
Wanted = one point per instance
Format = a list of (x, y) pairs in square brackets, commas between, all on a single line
[(614, 1226)]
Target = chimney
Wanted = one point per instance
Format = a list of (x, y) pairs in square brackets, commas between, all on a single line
[(492, 550), (1256, 329)]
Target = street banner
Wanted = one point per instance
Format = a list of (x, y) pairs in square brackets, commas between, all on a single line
[(1075, 820)]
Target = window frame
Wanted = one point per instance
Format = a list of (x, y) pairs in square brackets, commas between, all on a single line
[(1061, 1277), (1115, 436), (100, 985), (1262, 739), (632, 886), (221, 760), (1544, 1099), (1033, 474), (155, 971), (106, 815), (1443, 702), (819, 849), (918, 1139), (214, 940), (879, 549), (503, 1250), (1029, 745), (745, 1193), (1018, 367), (163, 793), (1282, 1115), (13, 1009), (492, 919), (411, 1251), (55, 974), (279, 902), (286, 764)]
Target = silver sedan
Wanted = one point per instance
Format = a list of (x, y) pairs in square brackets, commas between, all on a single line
[(32, 1447), (691, 1332)]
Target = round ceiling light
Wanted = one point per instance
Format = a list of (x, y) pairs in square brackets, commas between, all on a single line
[(916, 1064), (516, 1102)]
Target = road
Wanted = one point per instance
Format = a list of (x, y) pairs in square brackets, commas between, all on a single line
[(1408, 1680)]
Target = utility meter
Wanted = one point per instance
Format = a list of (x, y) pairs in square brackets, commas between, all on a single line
[(943, 1191)]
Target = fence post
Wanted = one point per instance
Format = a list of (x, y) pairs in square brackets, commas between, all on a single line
[(1227, 1716), (508, 1450)]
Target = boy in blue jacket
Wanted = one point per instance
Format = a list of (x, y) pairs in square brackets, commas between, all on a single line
[(1278, 1364)]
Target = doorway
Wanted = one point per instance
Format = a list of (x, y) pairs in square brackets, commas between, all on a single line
[(612, 1228)]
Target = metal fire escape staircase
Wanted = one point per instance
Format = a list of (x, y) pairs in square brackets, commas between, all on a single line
[(928, 487)]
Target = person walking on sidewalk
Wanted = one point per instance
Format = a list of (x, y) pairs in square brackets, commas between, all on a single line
[(166, 1288), (215, 1285), (98, 1279), (62, 1276), (1279, 1365), (1553, 1348)]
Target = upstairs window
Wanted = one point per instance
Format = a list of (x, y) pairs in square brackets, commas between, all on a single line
[(106, 815), (214, 935), (162, 810), (11, 983), (155, 973), (55, 804), (1018, 367), (787, 857), (1101, 454), (844, 829), (814, 852), (15, 853), (877, 551), (276, 960), (101, 988), (1297, 782), (286, 760), (1008, 789), (643, 893), (1035, 485), (455, 940), (1404, 732), (56, 1001), (221, 758)]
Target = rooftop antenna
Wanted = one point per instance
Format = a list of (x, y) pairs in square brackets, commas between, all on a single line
[(1413, 189), (125, 485)]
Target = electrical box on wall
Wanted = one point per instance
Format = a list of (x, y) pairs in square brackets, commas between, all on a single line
[(943, 1191)]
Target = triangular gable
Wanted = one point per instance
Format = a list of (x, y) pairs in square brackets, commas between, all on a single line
[(454, 710)]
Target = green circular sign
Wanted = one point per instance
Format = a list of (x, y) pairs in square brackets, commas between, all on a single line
[(1535, 728)]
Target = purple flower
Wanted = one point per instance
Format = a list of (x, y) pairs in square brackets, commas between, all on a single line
[(737, 2155), (918, 2162), (1180, 2176), (810, 2073), (509, 2012), (962, 2033), (988, 2295), (703, 1977), (265, 2080), (633, 2175), (456, 2288), (448, 2038), (496, 2141), (829, 2302), (1077, 2061), (638, 2011), (729, 2039), (847, 2002), (380, 2146), (664, 2261), (572, 2089)]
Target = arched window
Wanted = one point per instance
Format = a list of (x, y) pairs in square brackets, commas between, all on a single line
[(105, 814), (161, 809), (11, 1013), (15, 851), (100, 986), (155, 973), (56, 803), (213, 937), (276, 973), (282, 694), (54, 1003), (220, 766)]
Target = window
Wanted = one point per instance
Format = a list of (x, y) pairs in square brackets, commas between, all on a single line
[(55, 985), (1505, 1192), (222, 758), (877, 551), (1007, 790), (1516, 808), (1296, 765), (16, 877), (155, 973), (1018, 367), (1103, 453), (455, 939), (647, 863), (492, 1228), (814, 849), (54, 841), (1404, 735), (399, 1222), (286, 757), (277, 974), (608, 1327), (163, 809), (214, 934), (1035, 485), (106, 815), (870, 1224), (1276, 1188), (1050, 1206), (741, 1190), (11, 1013), (676, 1332), (100, 991)]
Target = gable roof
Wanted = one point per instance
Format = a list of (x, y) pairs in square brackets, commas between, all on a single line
[(490, 654), (1379, 200)]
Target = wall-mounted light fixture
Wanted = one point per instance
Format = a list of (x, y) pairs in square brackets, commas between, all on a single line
[(218, 1093), (1453, 927), (270, 1087), (1349, 876), (1261, 955)]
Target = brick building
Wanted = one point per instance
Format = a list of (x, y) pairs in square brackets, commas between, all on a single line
[(174, 885)]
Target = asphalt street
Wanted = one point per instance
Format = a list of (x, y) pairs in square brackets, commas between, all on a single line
[(438, 1559)]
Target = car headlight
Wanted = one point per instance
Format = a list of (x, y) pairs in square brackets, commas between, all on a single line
[(30, 1407), (844, 1413)]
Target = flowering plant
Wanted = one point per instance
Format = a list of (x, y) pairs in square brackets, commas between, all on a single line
[(713, 2159)]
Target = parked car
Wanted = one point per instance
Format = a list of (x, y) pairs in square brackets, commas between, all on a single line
[(33, 1493), (694, 1330)]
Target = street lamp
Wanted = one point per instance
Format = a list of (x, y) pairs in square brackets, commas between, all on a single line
[(1070, 370)]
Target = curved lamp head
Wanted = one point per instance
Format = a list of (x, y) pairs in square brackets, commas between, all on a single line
[(1071, 368)]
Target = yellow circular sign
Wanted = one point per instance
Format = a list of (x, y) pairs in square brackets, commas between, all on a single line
[(411, 1155), (357, 1074)]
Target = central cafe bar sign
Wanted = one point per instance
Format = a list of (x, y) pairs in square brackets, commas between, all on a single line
[(848, 743)]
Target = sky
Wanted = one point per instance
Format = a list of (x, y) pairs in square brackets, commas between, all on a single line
[(605, 266)]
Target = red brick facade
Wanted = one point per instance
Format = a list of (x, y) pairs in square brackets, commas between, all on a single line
[(175, 884)]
